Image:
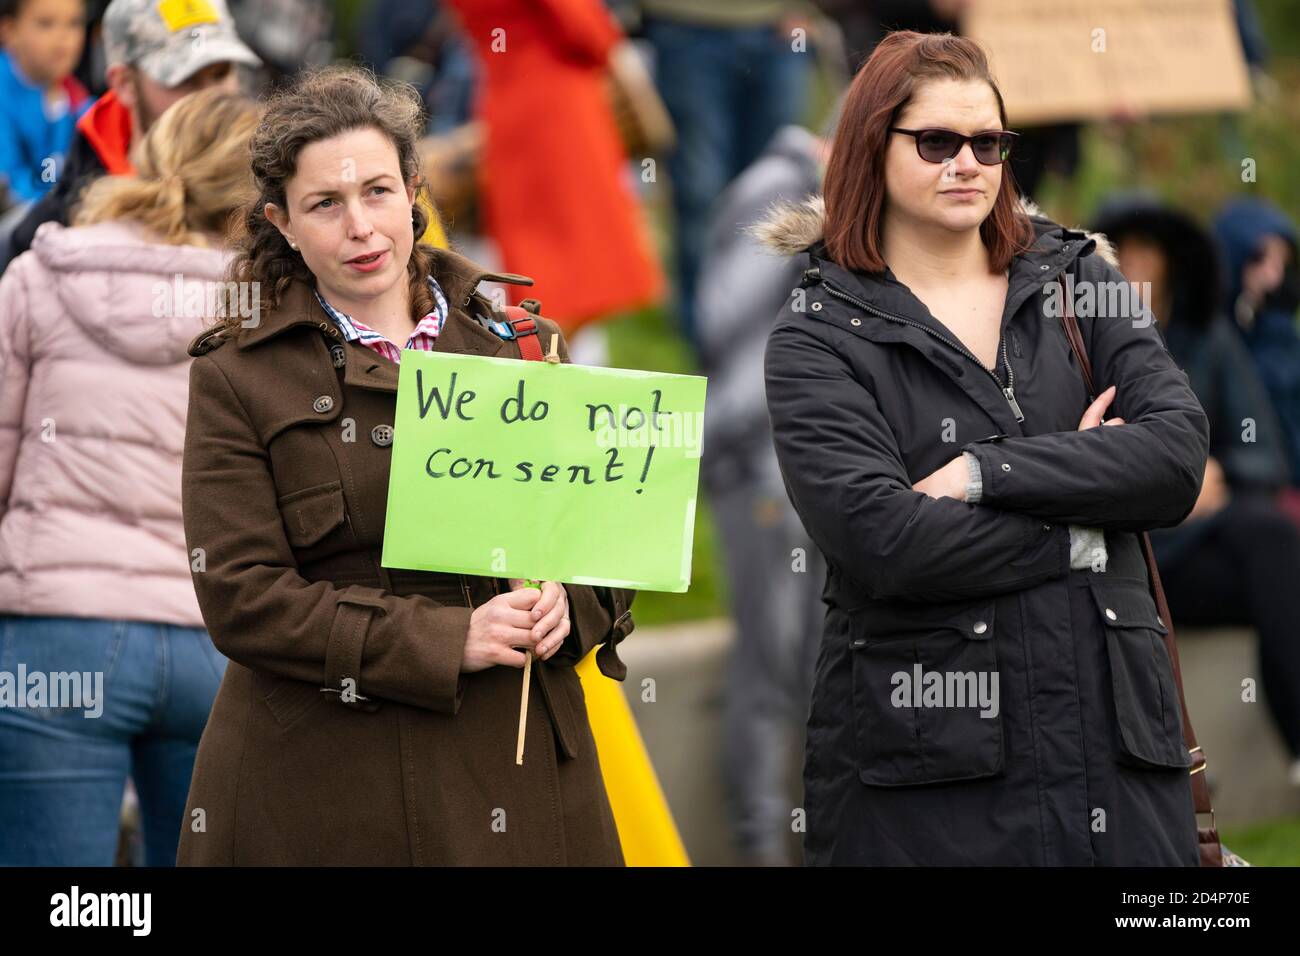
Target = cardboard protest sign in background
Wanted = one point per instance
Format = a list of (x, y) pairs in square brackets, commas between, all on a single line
[(557, 472), (1058, 60)]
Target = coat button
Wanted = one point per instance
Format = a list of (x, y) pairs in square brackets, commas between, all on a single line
[(980, 627), (382, 435), (1112, 615), (323, 404), (1006, 466), (816, 306), (1047, 527), (855, 321), (338, 356)]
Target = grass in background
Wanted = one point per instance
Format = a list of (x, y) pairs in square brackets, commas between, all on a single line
[(1265, 844)]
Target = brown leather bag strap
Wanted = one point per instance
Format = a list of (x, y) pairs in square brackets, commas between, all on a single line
[(1075, 338), (1200, 790)]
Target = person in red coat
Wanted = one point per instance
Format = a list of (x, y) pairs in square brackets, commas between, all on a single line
[(557, 190)]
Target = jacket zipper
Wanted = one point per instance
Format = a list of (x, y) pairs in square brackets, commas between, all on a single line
[(1008, 390)]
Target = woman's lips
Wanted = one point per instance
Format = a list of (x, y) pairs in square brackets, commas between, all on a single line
[(961, 193), (370, 265)]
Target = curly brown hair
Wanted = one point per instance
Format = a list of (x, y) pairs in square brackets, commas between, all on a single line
[(319, 105)]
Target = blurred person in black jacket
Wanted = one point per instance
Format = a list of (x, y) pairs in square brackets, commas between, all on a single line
[(1235, 559)]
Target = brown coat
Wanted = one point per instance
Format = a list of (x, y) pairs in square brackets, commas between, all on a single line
[(289, 516)]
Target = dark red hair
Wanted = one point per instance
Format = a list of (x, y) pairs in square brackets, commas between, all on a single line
[(855, 176)]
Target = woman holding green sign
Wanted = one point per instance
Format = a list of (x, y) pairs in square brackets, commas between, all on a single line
[(368, 715)]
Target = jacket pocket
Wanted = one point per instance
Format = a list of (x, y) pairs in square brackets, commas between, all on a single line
[(312, 513), (1147, 716), (926, 693)]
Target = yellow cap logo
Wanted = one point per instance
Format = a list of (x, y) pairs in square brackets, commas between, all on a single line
[(179, 14)]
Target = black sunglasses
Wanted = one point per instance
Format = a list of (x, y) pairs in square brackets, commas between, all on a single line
[(935, 144)]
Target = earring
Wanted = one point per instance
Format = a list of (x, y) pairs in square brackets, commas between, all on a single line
[(293, 245)]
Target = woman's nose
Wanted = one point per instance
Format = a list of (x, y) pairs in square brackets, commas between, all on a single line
[(965, 162), (358, 222)]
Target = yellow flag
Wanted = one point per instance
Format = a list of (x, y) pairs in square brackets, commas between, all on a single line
[(433, 233), (645, 824)]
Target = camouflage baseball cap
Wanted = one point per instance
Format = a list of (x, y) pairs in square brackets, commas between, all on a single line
[(171, 40)]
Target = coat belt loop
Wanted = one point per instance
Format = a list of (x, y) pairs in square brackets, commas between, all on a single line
[(356, 608), (607, 659)]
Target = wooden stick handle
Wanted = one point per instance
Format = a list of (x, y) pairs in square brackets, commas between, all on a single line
[(523, 696), (523, 707)]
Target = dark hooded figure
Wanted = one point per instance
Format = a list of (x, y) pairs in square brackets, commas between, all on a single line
[(992, 685), (1261, 294), (1235, 559)]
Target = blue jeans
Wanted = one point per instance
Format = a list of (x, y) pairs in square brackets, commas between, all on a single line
[(728, 90), (63, 768)]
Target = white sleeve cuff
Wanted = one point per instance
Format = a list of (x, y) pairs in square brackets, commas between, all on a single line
[(1087, 549), (974, 480)]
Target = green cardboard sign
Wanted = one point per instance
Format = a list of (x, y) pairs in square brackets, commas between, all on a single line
[(569, 473)]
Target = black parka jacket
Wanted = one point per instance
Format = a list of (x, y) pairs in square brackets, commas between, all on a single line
[(1080, 759)]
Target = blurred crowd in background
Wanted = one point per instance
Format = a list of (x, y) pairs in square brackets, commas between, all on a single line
[(616, 153)]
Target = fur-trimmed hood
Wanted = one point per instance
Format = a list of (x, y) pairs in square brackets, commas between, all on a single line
[(792, 227)]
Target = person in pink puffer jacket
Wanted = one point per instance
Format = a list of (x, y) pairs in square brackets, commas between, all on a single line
[(105, 669)]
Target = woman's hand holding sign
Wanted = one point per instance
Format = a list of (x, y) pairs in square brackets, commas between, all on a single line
[(497, 627), (551, 614), (521, 617), (547, 612)]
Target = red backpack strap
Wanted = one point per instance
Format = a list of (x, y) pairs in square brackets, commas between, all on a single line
[(525, 326)]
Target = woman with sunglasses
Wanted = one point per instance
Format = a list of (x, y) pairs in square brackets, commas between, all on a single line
[(992, 685)]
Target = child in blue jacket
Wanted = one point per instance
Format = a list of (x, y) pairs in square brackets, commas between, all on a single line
[(40, 100)]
